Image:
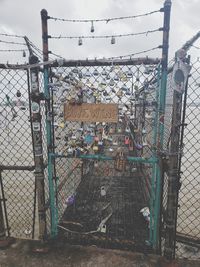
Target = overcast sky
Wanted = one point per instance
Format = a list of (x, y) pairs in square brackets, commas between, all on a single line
[(22, 17)]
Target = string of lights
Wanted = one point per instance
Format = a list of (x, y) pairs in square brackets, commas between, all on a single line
[(106, 19), (106, 36), (113, 40), (8, 42), (11, 35)]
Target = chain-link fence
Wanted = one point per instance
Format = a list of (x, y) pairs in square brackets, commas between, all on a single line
[(16, 153), (188, 221)]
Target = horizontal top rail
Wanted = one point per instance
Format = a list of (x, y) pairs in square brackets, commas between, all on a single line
[(85, 63)]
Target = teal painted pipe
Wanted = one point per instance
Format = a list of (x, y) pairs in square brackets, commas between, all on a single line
[(102, 157)]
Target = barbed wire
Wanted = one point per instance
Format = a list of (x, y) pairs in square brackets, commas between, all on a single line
[(8, 42), (106, 36), (13, 50), (137, 53), (11, 35), (105, 19)]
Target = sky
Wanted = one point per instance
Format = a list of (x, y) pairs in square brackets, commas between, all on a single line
[(22, 17)]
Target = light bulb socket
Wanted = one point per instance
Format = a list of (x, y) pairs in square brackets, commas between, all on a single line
[(92, 27), (80, 42), (113, 40)]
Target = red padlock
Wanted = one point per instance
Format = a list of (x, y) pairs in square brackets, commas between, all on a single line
[(126, 140)]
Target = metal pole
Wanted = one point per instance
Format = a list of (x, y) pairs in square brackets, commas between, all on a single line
[(44, 19), (2, 224), (37, 146), (161, 114), (174, 167)]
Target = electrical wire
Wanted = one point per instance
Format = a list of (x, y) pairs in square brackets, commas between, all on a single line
[(106, 36), (105, 19)]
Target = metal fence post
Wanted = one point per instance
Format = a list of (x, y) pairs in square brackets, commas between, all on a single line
[(161, 114), (2, 224), (179, 83), (36, 97), (50, 148)]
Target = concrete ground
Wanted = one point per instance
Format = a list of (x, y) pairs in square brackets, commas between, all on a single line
[(29, 254)]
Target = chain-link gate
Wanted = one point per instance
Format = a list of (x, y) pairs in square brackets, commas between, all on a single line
[(85, 198)]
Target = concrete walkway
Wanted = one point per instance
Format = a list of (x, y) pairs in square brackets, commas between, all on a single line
[(28, 254)]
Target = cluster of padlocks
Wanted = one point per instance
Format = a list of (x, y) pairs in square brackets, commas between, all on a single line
[(111, 85)]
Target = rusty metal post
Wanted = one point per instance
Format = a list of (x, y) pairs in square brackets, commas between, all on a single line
[(49, 130), (36, 97)]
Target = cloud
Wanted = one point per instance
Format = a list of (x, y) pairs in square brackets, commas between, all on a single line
[(23, 17)]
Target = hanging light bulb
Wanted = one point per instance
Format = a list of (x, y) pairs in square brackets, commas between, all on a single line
[(24, 54), (113, 40), (80, 42), (92, 26)]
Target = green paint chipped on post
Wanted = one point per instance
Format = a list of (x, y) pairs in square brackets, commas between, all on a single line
[(44, 18)]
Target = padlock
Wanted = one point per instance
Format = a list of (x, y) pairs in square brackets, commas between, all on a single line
[(100, 143), (103, 229), (111, 130), (96, 164), (120, 161), (130, 145), (62, 125), (70, 151), (115, 143), (103, 191), (126, 140), (127, 130), (110, 138), (119, 129), (95, 148), (96, 138), (73, 137)]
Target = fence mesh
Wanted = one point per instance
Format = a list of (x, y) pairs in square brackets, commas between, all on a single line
[(188, 221), (16, 150)]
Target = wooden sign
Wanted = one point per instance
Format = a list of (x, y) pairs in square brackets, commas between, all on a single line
[(91, 112)]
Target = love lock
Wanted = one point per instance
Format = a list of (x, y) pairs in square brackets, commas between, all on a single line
[(103, 191), (127, 130), (96, 138), (119, 129), (73, 137), (126, 140), (96, 164), (111, 130), (103, 229), (70, 151), (95, 148), (62, 125)]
